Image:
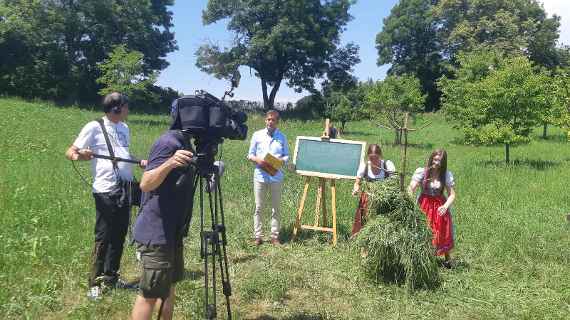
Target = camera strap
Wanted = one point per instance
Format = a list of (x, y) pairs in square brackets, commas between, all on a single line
[(110, 148)]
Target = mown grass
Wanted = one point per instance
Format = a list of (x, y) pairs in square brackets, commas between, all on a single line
[(512, 238)]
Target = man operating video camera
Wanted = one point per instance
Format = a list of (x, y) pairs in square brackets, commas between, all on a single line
[(157, 229), (168, 186)]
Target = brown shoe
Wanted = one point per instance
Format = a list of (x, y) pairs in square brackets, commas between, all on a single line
[(258, 241), (275, 241)]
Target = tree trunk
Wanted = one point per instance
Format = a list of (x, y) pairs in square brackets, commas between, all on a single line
[(266, 105), (397, 137), (342, 123), (507, 153), (269, 100), (544, 127)]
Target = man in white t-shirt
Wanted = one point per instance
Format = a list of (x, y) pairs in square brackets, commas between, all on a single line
[(112, 218)]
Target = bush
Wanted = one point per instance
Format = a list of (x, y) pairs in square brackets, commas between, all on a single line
[(396, 242)]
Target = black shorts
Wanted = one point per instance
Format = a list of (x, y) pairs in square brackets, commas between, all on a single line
[(161, 267)]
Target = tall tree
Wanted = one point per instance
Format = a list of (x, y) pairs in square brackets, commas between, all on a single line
[(496, 100), (341, 66), (561, 106), (53, 47), (291, 40), (409, 42), (424, 37), (517, 27)]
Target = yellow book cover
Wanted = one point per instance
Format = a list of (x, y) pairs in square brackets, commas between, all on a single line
[(274, 164)]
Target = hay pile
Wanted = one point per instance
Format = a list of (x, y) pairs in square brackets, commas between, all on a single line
[(396, 242)]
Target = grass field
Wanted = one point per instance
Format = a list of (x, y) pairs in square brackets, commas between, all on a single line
[(512, 237)]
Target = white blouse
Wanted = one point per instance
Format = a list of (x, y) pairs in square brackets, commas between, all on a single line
[(370, 174), (433, 184)]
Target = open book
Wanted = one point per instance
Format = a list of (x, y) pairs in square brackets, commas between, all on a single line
[(273, 164)]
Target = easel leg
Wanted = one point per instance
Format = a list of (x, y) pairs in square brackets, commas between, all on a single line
[(333, 207), (301, 206), (324, 205), (320, 201)]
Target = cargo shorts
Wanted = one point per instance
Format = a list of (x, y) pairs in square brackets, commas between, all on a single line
[(161, 267)]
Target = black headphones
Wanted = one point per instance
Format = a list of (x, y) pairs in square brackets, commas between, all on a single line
[(123, 101), (115, 105)]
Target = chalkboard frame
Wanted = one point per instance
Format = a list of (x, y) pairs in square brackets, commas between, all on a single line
[(323, 174)]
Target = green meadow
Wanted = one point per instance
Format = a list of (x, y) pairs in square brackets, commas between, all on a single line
[(512, 238)]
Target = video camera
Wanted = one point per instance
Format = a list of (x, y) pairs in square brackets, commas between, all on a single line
[(208, 120), (205, 116)]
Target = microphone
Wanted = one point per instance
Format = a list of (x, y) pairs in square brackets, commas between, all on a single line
[(220, 167)]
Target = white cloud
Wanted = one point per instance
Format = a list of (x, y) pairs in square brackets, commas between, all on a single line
[(560, 8)]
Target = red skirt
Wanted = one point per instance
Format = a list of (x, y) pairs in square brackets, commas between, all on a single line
[(441, 226), (361, 213)]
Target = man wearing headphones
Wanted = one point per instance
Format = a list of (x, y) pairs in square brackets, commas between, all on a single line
[(112, 217)]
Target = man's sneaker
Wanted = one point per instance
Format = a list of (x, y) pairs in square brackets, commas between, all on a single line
[(94, 293)]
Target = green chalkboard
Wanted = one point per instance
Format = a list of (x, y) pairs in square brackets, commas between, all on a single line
[(334, 158)]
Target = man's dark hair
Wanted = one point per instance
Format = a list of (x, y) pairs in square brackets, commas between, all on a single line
[(114, 101), (273, 112)]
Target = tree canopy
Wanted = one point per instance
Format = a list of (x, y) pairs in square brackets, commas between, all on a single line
[(496, 100), (291, 40), (390, 99), (425, 37), (123, 72), (409, 42), (51, 49)]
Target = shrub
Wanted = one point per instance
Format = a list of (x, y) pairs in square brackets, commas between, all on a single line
[(396, 242)]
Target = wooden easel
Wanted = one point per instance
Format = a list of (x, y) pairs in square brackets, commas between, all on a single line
[(321, 204), (319, 224)]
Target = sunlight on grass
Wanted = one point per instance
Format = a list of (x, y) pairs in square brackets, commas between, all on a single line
[(512, 237)]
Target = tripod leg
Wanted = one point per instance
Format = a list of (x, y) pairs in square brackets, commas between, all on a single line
[(223, 258), (205, 236), (213, 247)]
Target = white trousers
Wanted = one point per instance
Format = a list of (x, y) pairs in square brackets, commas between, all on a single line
[(260, 191)]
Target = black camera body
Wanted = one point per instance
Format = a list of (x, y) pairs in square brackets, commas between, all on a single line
[(207, 120), (206, 117)]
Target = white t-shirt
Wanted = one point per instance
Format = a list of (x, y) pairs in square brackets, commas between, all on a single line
[(91, 136), (380, 176)]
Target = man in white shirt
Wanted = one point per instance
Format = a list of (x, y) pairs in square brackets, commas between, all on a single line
[(112, 218), (267, 140)]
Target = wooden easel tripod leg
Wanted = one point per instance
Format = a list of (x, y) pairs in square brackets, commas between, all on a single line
[(301, 206), (324, 204), (321, 204), (320, 201), (333, 208)]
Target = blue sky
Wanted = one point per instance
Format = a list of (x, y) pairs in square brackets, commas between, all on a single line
[(184, 76)]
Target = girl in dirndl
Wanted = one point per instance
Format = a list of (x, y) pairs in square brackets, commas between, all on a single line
[(433, 180), (375, 169)]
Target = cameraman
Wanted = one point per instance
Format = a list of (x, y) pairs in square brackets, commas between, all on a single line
[(112, 217), (159, 228)]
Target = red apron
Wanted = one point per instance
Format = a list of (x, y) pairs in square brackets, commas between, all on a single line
[(441, 226)]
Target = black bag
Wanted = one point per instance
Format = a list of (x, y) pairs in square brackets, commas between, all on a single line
[(126, 193)]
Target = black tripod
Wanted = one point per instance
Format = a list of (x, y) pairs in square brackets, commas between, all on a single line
[(213, 240)]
